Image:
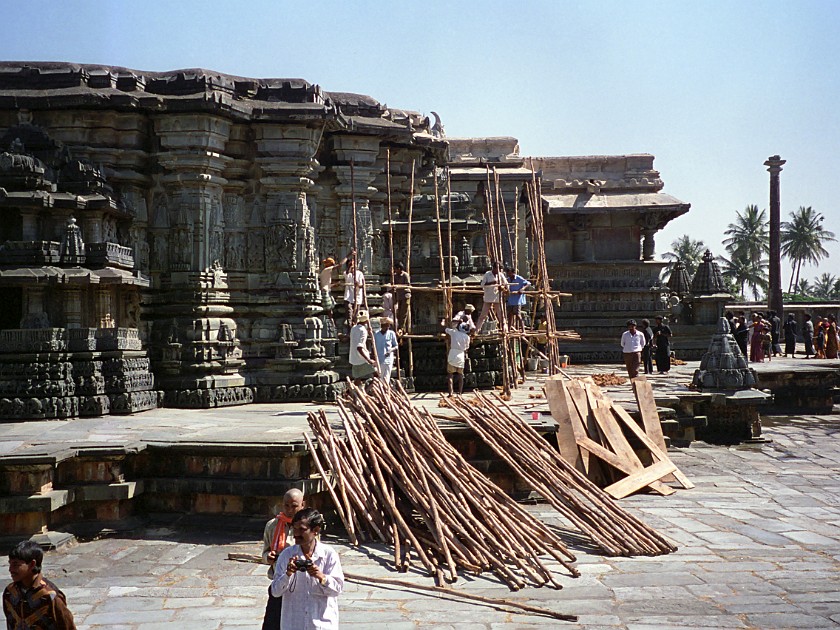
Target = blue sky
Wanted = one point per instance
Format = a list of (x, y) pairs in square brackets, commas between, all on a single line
[(710, 88)]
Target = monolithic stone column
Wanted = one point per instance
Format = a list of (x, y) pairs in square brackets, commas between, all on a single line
[(774, 295)]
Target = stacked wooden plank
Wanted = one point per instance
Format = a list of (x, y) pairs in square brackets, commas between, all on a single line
[(398, 480), (594, 435)]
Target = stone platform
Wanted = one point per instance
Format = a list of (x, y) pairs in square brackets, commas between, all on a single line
[(237, 461)]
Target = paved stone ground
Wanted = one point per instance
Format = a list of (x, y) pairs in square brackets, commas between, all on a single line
[(759, 545)]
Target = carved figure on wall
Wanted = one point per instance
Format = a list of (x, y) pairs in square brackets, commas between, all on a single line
[(160, 253), (141, 248), (132, 310), (256, 251), (109, 230), (281, 247), (160, 212)]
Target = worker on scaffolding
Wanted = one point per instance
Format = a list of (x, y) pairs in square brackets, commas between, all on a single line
[(326, 279), (516, 298), (354, 290), (494, 283), (465, 316)]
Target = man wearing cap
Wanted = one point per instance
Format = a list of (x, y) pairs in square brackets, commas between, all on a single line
[(457, 357), (465, 316), (385, 342), (632, 343), (362, 364)]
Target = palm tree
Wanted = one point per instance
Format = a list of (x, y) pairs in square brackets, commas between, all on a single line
[(742, 273), (688, 250), (802, 238), (803, 288), (824, 286), (749, 236)]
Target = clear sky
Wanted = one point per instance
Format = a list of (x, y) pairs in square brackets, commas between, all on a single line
[(710, 88)]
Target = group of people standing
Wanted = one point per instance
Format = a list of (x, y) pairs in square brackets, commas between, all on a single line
[(640, 346), (499, 287), (763, 336)]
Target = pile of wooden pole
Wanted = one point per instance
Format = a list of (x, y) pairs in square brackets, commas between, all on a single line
[(398, 480), (585, 506)]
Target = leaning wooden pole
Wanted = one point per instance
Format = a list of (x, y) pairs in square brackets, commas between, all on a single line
[(449, 234), (391, 251), (410, 368), (447, 315)]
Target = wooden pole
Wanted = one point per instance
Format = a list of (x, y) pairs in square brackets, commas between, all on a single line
[(408, 271), (391, 251), (449, 235)]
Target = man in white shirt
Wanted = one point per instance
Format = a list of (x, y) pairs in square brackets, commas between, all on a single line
[(456, 360), (312, 580), (632, 342), (362, 364), (494, 283), (354, 291)]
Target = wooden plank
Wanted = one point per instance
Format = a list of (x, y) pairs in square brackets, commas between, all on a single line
[(579, 412), (558, 404), (615, 438), (613, 460), (643, 391), (640, 479), (577, 392), (625, 417), (612, 431)]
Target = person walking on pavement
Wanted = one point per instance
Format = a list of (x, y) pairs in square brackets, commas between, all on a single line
[(277, 536), (808, 335), (32, 602), (632, 344), (790, 336), (775, 333), (662, 342), (647, 351)]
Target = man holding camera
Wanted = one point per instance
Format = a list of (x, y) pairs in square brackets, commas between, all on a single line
[(313, 578)]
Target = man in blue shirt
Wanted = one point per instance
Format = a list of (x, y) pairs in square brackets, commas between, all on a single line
[(385, 341), (516, 297)]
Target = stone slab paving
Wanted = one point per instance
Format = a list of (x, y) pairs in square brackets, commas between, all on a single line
[(759, 545)]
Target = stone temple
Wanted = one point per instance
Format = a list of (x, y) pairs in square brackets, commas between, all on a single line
[(161, 233)]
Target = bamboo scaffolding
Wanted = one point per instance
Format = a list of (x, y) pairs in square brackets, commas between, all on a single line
[(356, 248)]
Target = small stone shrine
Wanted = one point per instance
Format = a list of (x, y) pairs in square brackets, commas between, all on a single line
[(723, 367)]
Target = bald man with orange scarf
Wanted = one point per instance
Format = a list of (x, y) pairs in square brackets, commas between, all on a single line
[(277, 536)]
